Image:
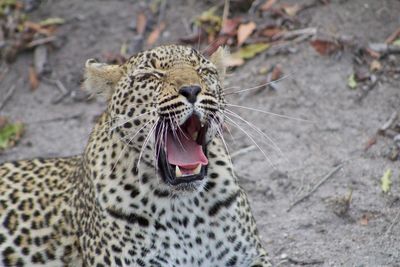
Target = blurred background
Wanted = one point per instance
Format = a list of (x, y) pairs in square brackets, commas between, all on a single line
[(313, 84)]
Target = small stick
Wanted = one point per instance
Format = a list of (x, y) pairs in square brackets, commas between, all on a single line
[(389, 122), (393, 36), (57, 119), (61, 87), (309, 32), (395, 221), (225, 13), (321, 182), (9, 94), (41, 41), (242, 151), (4, 73), (303, 262), (161, 13)]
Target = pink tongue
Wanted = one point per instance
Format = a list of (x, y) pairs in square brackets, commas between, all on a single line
[(185, 152)]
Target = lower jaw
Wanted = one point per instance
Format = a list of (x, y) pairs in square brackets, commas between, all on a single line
[(187, 178), (167, 172)]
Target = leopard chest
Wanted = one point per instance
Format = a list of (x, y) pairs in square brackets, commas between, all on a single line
[(174, 233)]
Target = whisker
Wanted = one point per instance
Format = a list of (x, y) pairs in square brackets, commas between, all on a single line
[(147, 140), (160, 143), (270, 113), (130, 119), (230, 88), (259, 86), (252, 139), (217, 127), (129, 142), (259, 131)]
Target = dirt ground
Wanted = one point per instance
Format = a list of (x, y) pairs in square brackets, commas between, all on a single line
[(311, 233)]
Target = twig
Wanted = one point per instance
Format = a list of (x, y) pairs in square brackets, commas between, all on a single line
[(254, 6), (384, 48), (4, 73), (161, 12), (225, 13), (9, 94), (309, 32), (61, 87), (321, 182), (242, 151), (374, 79), (60, 98), (394, 222), (41, 41), (57, 119), (389, 122), (393, 36), (303, 262)]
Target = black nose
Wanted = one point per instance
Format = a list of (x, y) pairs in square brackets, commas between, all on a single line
[(190, 92)]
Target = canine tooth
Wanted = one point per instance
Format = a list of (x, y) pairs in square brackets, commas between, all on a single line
[(197, 170), (178, 172), (195, 135)]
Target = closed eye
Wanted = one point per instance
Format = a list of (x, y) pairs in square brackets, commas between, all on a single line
[(149, 73), (207, 71)]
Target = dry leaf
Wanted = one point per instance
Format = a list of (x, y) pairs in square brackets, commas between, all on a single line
[(372, 141), (324, 47), (153, 36), (393, 36), (209, 21), (244, 31), (220, 41), (364, 220), (263, 70), (249, 51), (141, 22), (246, 52), (10, 133), (276, 72), (38, 28), (3, 121), (196, 38), (267, 5), (229, 26), (52, 21), (375, 65), (291, 10), (396, 42), (372, 53), (271, 31), (33, 78), (386, 181), (351, 81), (233, 61)]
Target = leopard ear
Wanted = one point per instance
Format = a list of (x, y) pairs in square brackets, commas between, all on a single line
[(218, 58), (101, 78)]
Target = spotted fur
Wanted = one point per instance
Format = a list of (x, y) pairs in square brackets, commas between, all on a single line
[(109, 206)]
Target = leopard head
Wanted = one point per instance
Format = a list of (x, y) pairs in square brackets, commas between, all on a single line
[(167, 104)]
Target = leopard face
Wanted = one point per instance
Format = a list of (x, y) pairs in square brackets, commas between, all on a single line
[(167, 103)]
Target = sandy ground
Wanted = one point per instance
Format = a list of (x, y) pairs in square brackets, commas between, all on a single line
[(310, 233)]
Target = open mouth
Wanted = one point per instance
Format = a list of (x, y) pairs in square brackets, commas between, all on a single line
[(182, 159)]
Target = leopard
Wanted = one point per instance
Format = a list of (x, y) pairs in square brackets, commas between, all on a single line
[(154, 186)]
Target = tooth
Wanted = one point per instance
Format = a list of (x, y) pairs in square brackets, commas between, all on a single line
[(195, 135), (178, 172), (197, 170)]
